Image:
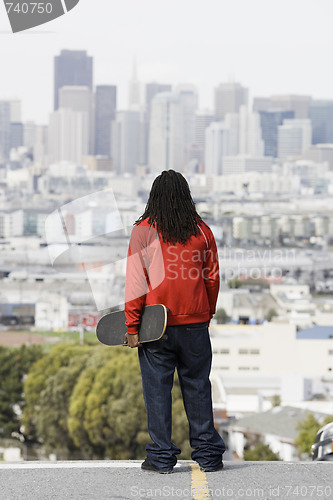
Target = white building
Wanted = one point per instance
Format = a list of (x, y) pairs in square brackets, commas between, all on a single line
[(166, 135), (215, 145), (127, 139), (228, 98), (68, 135), (11, 223), (250, 140), (294, 138)]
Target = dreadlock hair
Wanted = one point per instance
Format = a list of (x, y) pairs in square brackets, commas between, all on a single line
[(171, 209)]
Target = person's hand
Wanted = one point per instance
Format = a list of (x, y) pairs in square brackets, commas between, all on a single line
[(132, 340)]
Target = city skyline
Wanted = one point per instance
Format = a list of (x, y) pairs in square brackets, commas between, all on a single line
[(235, 45)]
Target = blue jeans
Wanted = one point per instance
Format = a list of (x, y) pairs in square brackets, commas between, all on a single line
[(187, 348)]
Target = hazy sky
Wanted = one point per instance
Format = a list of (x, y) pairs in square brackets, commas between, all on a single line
[(270, 46)]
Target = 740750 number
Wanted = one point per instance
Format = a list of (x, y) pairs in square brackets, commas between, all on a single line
[(29, 7)]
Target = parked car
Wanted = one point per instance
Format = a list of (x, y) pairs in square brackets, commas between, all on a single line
[(322, 449)]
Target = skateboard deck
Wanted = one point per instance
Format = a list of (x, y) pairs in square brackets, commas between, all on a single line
[(111, 328)]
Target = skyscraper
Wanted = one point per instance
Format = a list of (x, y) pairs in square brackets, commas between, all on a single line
[(203, 118), (4, 130), (166, 133), (105, 112), (134, 90), (80, 100), (72, 67), (269, 122), (299, 104), (294, 138), (229, 97), (126, 140), (152, 89), (250, 139), (321, 115), (215, 139)]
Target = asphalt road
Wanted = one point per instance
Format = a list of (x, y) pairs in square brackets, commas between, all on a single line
[(118, 480)]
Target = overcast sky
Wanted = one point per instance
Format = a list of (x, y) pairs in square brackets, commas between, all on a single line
[(270, 46)]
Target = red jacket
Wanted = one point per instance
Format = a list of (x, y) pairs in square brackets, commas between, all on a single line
[(185, 278)]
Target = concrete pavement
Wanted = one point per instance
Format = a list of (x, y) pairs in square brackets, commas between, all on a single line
[(117, 480)]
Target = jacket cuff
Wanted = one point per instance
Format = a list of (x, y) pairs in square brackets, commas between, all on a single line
[(132, 330)]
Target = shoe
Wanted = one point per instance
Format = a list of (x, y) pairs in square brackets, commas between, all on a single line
[(212, 469), (146, 465)]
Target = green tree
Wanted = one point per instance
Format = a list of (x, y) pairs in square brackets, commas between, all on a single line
[(38, 377), (235, 283), (271, 313), (14, 366), (260, 452), (221, 316), (308, 429)]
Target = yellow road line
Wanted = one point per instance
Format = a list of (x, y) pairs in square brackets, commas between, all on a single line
[(199, 484)]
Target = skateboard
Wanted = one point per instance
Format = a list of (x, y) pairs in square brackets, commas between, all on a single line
[(111, 328)]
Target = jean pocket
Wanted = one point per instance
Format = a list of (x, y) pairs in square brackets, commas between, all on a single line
[(197, 337)]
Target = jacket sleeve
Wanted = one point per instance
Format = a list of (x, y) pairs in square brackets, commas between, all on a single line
[(211, 271), (136, 281)]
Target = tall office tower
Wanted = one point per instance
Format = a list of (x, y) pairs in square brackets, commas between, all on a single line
[(229, 97), (68, 136), (72, 67), (294, 138), (232, 128), (261, 104), (41, 146), (215, 140), (4, 130), (80, 100), (188, 98), (126, 140), (166, 133), (203, 118), (16, 135), (250, 139), (151, 90), (269, 122), (29, 134), (134, 91), (299, 104), (321, 115), (105, 113)]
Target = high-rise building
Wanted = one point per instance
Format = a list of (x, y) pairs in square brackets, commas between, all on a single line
[(68, 136), (4, 130), (269, 122), (294, 138), (299, 104), (72, 67), (126, 141), (203, 118), (320, 153), (80, 100), (134, 91), (105, 112), (321, 115), (229, 97), (151, 90), (166, 133), (215, 140), (250, 139), (16, 135), (188, 98)]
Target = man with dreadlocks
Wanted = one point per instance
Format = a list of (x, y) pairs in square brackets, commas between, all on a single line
[(172, 260)]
